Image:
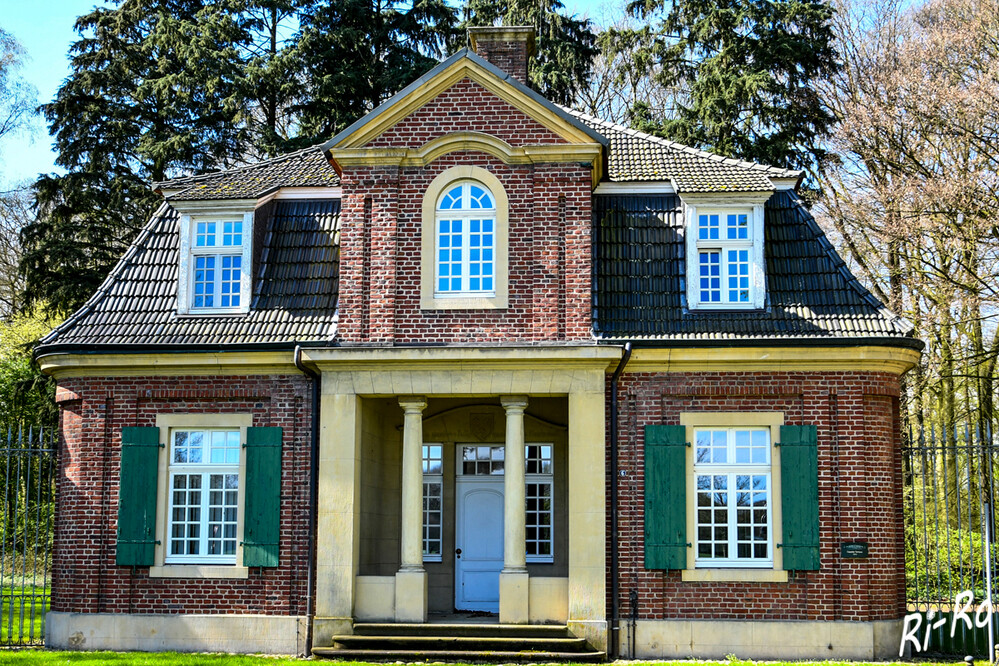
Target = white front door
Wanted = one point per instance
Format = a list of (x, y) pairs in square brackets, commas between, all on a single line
[(478, 542)]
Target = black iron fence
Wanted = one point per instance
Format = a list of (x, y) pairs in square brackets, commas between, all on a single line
[(949, 495), (28, 461)]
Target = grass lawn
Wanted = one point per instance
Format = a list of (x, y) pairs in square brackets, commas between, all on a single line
[(49, 658), (22, 612)]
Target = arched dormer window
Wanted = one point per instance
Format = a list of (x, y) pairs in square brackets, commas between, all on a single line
[(464, 241)]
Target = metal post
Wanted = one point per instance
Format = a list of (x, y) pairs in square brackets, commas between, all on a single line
[(987, 515)]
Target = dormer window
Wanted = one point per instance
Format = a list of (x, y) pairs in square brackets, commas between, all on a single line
[(725, 256), (215, 260), (218, 264), (723, 248)]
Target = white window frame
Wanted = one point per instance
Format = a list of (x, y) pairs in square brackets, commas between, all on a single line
[(428, 480), (735, 572), (164, 565), (205, 470), (549, 479), (189, 251), (430, 298), (465, 216), (731, 470), (753, 206)]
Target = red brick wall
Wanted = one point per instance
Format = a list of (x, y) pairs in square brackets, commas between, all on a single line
[(549, 256), (85, 578), (466, 106), (509, 55), (859, 454)]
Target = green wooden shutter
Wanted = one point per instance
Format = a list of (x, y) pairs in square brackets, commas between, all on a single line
[(262, 522), (799, 481), (665, 497), (140, 448)]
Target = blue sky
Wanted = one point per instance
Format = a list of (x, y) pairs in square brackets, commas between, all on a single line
[(45, 29)]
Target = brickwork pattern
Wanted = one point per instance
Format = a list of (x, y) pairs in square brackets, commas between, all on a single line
[(509, 55), (466, 107), (860, 494), (549, 257), (85, 578)]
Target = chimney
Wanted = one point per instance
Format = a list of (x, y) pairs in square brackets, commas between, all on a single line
[(506, 47)]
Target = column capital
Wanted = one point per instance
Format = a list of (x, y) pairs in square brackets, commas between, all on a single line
[(512, 403), (413, 404)]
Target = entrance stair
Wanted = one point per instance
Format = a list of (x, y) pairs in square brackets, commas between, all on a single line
[(479, 642)]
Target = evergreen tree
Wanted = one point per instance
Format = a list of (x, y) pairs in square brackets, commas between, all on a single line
[(272, 76), (565, 45), (357, 53), (154, 91), (746, 71)]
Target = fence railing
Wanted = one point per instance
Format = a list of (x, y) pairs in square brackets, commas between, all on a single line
[(949, 494), (28, 462)]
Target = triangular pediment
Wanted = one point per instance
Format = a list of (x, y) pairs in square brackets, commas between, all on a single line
[(464, 65)]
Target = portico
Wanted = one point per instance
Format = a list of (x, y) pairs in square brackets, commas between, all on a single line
[(399, 425)]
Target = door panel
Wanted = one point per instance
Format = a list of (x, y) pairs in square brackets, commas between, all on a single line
[(479, 536)]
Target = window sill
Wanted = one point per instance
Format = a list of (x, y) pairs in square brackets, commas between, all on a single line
[(463, 303), (198, 571), (197, 314), (733, 576), (725, 307)]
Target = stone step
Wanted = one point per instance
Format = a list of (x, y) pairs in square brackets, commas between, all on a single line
[(477, 643), (462, 656), (484, 630)]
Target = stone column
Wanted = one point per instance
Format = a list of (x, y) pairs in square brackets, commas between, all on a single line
[(513, 579), (411, 579)]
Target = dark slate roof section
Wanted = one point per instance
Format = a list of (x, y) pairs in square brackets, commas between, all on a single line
[(639, 292), (636, 156), (562, 112), (304, 168), (294, 288)]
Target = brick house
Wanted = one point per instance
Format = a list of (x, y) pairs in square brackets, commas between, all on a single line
[(286, 415)]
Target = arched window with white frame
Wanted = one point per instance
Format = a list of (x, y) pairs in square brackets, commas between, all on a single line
[(465, 232)]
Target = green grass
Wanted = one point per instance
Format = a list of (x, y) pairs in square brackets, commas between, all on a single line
[(21, 615), (50, 658)]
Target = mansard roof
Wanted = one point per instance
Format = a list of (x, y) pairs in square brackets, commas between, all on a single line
[(294, 297), (639, 293), (639, 256), (637, 156)]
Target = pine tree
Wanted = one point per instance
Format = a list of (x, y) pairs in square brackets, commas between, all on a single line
[(154, 91), (565, 45), (357, 53), (746, 71)]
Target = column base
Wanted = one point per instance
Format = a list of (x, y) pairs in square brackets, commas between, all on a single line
[(411, 596), (514, 606)]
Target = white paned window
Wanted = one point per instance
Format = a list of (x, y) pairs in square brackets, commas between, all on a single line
[(723, 248), (482, 460), (215, 258), (218, 259), (202, 510), (539, 503), (433, 500), (465, 253), (733, 504), (725, 257)]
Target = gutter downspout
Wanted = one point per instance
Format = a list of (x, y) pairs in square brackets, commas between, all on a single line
[(615, 586), (313, 488)]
